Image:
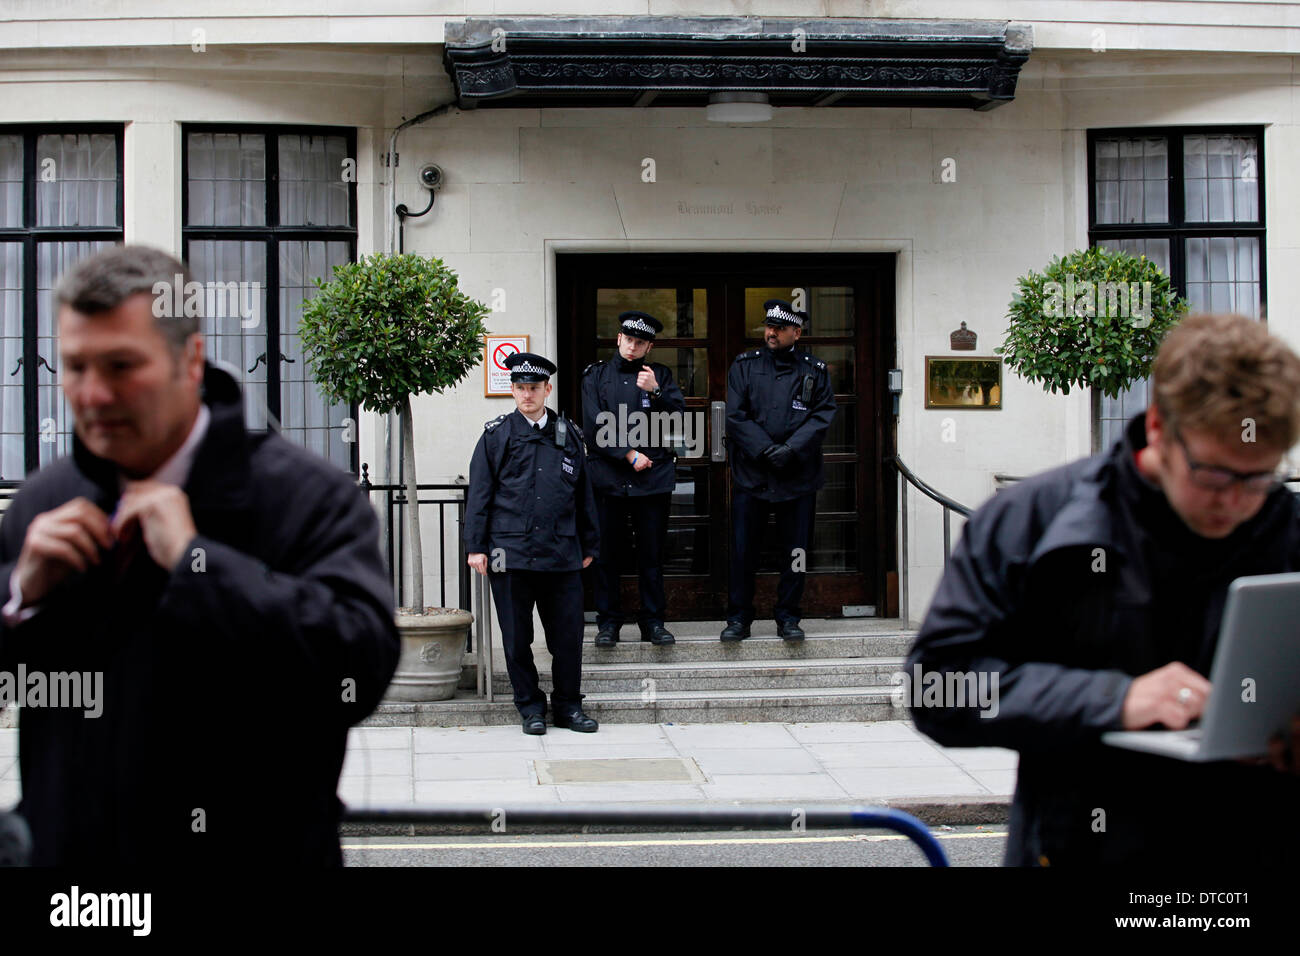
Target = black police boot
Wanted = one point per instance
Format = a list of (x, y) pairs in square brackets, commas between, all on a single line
[(534, 724), (734, 631), (607, 636), (577, 720), (789, 631), (658, 635)]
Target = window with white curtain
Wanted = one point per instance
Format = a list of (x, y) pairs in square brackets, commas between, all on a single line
[(1191, 200), (61, 199), (273, 208)]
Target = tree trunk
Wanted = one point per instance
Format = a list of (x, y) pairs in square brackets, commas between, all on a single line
[(412, 508)]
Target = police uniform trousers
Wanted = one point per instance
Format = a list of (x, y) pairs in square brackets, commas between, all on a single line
[(648, 515), (558, 597), (794, 521)]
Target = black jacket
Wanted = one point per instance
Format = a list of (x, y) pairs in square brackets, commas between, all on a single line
[(1067, 586), (771, 401), (530, 498), (230, 680), (610, 387)]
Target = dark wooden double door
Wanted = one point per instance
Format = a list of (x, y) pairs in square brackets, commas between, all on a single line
[(712, 309)]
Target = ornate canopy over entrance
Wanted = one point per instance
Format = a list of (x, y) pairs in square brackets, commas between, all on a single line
[(671, 61)]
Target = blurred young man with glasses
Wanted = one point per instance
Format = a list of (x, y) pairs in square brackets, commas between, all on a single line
[(1094, 592)]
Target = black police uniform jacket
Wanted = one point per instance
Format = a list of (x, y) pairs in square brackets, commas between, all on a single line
[(530, 498), (605, 387), (229, 680), (770, 401), (1067, 586)]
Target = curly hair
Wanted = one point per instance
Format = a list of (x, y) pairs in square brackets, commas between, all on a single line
[(1214, 371)]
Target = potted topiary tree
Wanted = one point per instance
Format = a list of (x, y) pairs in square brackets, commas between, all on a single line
[(383, 329), (1094, 318)]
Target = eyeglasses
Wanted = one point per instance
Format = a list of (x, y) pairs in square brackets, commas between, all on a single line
[(1217, 478)]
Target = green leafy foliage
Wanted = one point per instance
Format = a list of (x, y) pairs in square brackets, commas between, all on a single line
[(1093, 318), (389, 327)]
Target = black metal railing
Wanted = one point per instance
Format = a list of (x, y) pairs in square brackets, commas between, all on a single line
[(765, 817), (392, 501), (906, 477)]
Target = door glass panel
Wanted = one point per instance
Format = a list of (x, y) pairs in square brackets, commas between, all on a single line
[(687, 551), (834, 546), (841, 437), (240, 351), (840, 490), (839, 362), (831, 311), (689, 321), (690, 368), (305, 416), (690, 496)]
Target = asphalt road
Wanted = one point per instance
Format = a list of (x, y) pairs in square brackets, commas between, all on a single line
[(965, 846)]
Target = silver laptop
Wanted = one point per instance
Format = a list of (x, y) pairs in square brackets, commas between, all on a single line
[(1254, 683)]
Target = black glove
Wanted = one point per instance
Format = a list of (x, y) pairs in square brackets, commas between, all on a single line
[(778, 456)]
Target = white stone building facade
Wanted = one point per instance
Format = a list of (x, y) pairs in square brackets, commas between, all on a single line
[(221, 126)]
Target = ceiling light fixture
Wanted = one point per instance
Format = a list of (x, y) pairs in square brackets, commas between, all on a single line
[(738, 108)]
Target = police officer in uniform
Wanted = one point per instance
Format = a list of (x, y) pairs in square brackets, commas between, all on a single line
[(632, 481), (779, 406), (531, 526)]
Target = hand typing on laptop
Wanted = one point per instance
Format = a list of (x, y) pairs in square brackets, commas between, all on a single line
[(1173, 695)]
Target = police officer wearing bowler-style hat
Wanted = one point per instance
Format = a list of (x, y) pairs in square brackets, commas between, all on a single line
[(531, 526), (632, 480), (779, 405)]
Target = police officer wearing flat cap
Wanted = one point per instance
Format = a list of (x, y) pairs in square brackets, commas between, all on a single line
[(633, 481), (531, 527), (779, 406)]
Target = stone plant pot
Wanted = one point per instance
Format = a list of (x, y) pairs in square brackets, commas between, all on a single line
[(432, 647)]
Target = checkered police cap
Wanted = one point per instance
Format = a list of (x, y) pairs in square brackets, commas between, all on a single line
[(529, 367), (642, 325), (780, 312)]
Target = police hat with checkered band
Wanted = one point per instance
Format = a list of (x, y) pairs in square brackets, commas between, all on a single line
[(780, 312), (529, 367), (640, 325)]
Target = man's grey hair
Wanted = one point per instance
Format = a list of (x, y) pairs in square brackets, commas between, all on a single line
[(108, 278)]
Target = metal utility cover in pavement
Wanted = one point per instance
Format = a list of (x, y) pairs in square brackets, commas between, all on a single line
[(623, 770)]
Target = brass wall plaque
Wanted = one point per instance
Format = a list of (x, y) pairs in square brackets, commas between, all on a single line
[(974, 382)]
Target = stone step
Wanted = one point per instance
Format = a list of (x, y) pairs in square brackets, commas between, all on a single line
[(790, 705), (755, 648), (757, 675)]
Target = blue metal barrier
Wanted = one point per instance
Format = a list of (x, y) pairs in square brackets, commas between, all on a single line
[(769, 816)]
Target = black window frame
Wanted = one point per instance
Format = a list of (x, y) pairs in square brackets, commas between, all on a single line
[(1178, 230), (30, 236), (272, 233)]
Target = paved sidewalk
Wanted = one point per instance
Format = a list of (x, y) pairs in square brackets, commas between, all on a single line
[(881, 763)]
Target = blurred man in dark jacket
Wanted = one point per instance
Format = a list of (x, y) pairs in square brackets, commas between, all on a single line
[(227, 585), (1089, 597)]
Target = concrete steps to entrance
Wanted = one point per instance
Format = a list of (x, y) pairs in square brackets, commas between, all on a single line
[(841, 672)]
